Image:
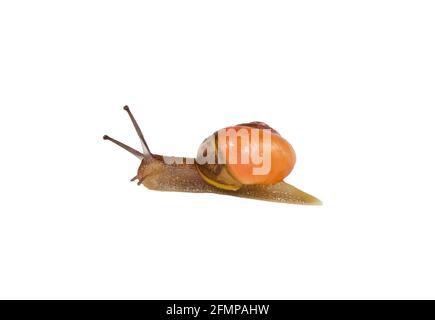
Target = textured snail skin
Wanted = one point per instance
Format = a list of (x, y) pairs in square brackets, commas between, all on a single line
[(154, 174)]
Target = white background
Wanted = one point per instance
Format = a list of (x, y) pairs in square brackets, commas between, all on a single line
[(349, 83)]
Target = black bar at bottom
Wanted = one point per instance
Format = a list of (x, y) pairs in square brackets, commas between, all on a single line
[(213, 309)]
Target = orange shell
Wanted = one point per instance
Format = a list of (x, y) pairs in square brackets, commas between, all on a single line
[(282, 158)]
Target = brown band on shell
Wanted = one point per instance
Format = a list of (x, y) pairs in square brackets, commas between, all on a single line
[(259, 125)]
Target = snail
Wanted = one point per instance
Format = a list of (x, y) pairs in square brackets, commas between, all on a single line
[(225, 164)]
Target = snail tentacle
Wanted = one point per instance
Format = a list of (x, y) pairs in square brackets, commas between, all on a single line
[(138, 154), (145, 149)]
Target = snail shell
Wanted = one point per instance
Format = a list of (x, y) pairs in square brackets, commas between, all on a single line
[(220, 157)]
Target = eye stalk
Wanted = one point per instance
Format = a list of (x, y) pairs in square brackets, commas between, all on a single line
[(139, 155), (145, 150)]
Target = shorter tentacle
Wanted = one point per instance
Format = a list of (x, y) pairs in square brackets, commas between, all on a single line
[(139, 155)]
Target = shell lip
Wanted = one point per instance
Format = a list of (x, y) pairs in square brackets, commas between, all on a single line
[(215, 183)]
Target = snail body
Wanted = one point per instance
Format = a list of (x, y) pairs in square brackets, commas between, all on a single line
[(224, 165)]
